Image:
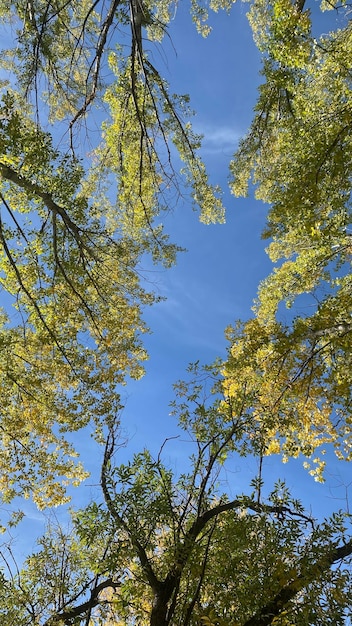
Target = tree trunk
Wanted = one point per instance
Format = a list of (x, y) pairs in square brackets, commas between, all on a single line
[(158, 616)]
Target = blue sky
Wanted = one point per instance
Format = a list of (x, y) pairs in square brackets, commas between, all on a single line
[(215, 281)]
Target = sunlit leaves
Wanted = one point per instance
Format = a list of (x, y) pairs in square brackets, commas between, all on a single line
[(75, 224), (200, 12), (166, 548), (76, 304), (297, 154), (146, 125), (294, 385), (243, 562), (281, 30)]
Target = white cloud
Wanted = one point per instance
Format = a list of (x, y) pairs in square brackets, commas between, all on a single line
[(219, 139)]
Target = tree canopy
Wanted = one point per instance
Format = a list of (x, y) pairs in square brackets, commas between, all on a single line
[(77, 215), (297, 154), (74, 226)]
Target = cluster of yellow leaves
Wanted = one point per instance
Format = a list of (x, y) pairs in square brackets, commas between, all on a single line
[(292, 388), (281, 31), (298, 154), (145, 121), (73, 334), (69, 254), (131, 154), (299, 159)]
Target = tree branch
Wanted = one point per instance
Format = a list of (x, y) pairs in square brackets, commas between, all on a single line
[(8, 173), (153, 581), (97, 61), (68, 615), (272, 609)]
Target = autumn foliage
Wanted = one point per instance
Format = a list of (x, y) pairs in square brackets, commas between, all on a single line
[(79, 209)]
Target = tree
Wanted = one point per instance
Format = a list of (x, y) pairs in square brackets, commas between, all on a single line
[(297, 153), (70, 252), (164, 549), (159, 548)]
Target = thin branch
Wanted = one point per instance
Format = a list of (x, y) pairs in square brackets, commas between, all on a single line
[(30, 297), (191, 605), (154, 582), (79, 296), (97, 62), (200, 523), (8, 173)]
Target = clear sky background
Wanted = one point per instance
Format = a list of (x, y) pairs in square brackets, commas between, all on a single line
[(215, 281)]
